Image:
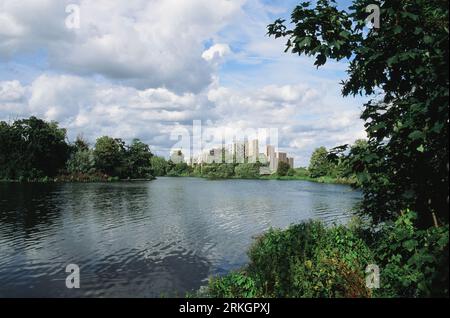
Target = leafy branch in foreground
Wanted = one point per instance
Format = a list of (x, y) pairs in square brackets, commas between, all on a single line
[(405, 62)]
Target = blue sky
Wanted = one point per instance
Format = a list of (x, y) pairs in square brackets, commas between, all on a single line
[(144, 68)]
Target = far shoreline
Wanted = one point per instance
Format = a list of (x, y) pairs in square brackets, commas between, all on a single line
[(321, 180)]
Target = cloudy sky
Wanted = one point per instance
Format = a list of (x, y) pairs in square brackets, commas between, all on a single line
[(142, 68)]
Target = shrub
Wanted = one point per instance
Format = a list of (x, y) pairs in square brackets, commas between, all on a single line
[(218, 171), (414, 262), (235, 284), (306, 260), (247, 170)]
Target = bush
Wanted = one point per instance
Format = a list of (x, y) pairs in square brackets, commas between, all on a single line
[(233, 285), (306, 260), (218, 171), (414, 262), (179, 170), (247, 170)]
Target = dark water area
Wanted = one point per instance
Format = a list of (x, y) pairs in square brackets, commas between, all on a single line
[(146, 239)]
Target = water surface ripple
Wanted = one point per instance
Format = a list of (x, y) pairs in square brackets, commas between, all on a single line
[(146, 239)]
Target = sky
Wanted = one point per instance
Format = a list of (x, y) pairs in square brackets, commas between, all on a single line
[(143, 69)]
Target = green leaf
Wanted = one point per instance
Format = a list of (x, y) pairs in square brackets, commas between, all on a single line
[(398, 29), (428, 39), (410, 245), (417, 134)]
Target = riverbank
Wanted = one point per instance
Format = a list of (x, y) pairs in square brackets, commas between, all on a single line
[(249, 171), (333, 262), (76, 179), (324, 179)]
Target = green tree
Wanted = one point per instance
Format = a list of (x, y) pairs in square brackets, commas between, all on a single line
[(159, 166), (320, 165), (81, 161), (138, 156), (32, 148), (218, 170), (283, 168), (347, 162), (179, 169), (81, 144), (247, 170), (406, 63), (109, 154)]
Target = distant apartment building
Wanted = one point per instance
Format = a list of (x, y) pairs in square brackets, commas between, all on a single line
[(262, 158), (239, 152), (282, 157), (242, 152), (211, 156), (177, 156), (272, 158), (291, 162), (253, 151), (216, 155)]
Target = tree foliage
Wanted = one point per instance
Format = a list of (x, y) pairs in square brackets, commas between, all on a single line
[(305, 260), (159, 166), (32, 148), (283, 168), (109, 155), (247, 170), (414, 262), (138, 160), (405, 62), (81, 161), (319, 164)]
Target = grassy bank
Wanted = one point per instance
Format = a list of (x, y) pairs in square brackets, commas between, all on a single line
[(251, 171), (324, 179), (74, 178)]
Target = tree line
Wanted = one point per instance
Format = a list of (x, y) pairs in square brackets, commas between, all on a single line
[(33, 149)]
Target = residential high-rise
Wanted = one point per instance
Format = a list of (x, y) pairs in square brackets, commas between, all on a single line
[(270, 152), (177, 156), (262, 158), (214, 155), (239, 152), (271, 157), (273, 165), (291, 162), (282, 157), (253, 151)]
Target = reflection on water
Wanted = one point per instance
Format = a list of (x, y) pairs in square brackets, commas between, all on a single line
[(146, 239)]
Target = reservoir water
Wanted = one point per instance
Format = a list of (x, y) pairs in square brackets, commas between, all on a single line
[(146, 239)]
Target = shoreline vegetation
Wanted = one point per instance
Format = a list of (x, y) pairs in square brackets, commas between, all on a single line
[(275, 177), (314, 261), (35, 151)]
